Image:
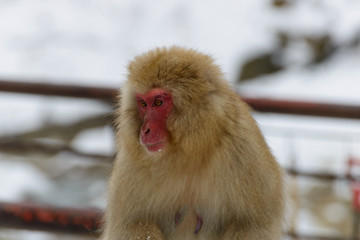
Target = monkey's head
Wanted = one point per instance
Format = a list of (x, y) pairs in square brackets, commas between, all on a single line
[(170, 96)]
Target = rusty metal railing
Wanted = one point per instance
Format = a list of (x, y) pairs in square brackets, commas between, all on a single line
[(46, 218), (77, 91), (258, 104)]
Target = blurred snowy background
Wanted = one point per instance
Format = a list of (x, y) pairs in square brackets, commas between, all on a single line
[(285, 49)]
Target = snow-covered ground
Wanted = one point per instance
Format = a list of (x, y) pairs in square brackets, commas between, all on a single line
[(90, 43)]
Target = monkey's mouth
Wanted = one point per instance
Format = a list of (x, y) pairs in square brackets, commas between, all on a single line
[(156, 147)]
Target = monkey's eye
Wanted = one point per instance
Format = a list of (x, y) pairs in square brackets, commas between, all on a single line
[(158, 102), (142, 103)]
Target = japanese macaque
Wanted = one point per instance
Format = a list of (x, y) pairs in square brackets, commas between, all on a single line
[(191, 162)]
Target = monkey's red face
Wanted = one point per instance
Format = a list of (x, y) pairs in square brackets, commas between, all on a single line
[(154, 109)]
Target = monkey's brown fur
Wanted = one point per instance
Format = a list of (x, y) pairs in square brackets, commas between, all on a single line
[(216, 164)]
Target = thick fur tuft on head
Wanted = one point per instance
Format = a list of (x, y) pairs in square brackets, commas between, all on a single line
[(190, 74)]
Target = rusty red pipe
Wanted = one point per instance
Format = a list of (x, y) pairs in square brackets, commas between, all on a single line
[(304, 108), (45, 218), (258, 104), (77, 91)]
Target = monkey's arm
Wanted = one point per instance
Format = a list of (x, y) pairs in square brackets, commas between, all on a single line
[(139, 231), (238, 230), (145, 232)]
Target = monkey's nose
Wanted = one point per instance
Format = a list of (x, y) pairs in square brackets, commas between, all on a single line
[(147, 131)]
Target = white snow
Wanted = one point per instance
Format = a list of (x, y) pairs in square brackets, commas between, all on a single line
[(19, 179), (336, 81), (94, 40), (95, 141), (21, 112)]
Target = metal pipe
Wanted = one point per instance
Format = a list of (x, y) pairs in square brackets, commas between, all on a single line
[(45, 218), (304, 108), (310, 237), (322, 176), (77, 91), (258, 104)]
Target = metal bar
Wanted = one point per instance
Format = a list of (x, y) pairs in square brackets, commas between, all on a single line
[(45, 218), (106, 94), (323, 176), (304, 108), (258, 104), (310, 237)]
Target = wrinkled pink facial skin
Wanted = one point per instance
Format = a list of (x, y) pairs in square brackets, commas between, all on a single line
[(154, 108)]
